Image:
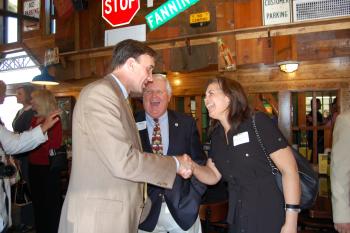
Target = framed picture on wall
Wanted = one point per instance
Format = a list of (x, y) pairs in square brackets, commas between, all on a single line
[(66, 105)]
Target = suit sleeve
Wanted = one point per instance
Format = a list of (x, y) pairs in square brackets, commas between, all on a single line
[(340, 170), (113, 145), (18, 143)]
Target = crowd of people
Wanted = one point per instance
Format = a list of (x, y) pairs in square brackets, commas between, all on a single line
[(12, 143), (148, 172)]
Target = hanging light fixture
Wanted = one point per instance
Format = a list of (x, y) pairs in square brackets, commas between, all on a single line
[(288, 66), (44, 78)]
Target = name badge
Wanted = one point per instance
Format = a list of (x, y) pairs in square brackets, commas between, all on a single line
[(240, 138), (141, 125)]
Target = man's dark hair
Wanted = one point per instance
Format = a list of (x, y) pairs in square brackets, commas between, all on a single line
[(127, 49)]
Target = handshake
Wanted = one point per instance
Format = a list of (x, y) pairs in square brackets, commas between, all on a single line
[(186, 166)]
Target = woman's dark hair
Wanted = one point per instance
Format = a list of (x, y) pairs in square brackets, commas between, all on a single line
[(238, 109)]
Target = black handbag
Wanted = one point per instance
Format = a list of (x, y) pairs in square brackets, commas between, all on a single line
[(58, 159), (22, 193), (308, 177)]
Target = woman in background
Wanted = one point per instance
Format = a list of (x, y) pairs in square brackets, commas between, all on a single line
[(11, 143), (45, 183), (20, 124), (256, 205)]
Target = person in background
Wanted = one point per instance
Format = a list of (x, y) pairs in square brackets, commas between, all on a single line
[(11, 143), (333, 114), (256, 205), (20, 124), (178, 135), (320, 132), (340, 173), (45, 182), (106, 189)]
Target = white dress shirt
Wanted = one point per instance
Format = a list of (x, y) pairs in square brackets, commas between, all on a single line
[(12, 143)]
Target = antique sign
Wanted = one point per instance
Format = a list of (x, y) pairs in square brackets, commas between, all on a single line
[(276, 11), (200, 19), (31, 8)]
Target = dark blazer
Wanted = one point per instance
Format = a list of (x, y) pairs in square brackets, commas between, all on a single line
[(22, 121), (184, 198)]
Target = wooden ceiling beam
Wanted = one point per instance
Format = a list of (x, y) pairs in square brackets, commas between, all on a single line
[(340, 23), (290, 29)]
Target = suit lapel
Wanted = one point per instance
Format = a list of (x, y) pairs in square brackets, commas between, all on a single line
[(130, 121), (145, 140), (173, 125)]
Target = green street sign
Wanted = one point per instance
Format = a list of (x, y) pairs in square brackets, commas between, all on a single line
[(167, 11)]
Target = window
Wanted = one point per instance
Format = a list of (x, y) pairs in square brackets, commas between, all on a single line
[(312, 133), (10, 106), (8, 21), (8, 111), (18, 62), (52, 18), (10, 18)]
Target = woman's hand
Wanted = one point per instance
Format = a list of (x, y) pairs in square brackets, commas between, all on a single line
[(207, 174), (289, 228)]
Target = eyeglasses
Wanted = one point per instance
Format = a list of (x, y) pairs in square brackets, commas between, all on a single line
[(155, 92)]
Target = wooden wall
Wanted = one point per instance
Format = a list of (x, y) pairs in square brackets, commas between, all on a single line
[(323, 55)]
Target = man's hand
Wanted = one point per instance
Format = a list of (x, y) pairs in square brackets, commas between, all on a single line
[(186, 166), (50, 121), (342, 227)]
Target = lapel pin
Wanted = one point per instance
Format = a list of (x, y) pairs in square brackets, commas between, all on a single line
[(176, 124)]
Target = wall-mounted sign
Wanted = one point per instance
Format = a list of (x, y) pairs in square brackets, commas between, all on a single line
[(149, 3), (119, 12), (31, 8), (276, 11), (167, 11), (115, 35), (200, 19)]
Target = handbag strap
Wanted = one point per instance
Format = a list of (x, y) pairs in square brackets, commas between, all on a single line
[(274, 169)]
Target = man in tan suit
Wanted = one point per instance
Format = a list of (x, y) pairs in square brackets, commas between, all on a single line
[(106, 187), (340, 173)]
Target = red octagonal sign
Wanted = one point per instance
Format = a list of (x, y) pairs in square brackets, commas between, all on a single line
[(119, 12)]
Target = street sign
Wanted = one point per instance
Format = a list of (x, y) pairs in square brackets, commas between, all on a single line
[(167, 11), (119, 12)]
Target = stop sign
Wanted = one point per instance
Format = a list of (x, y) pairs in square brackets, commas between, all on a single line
[(119, 12)]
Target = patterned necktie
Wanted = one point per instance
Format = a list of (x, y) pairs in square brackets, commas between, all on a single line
[(157, 146)]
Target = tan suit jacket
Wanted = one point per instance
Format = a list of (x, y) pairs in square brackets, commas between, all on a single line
[(105, 193), (340, 169)]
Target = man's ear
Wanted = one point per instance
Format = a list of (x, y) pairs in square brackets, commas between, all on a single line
[(169, 98), (130, 63)]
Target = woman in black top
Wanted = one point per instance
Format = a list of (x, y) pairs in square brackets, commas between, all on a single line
[(20, 124), (255, 203)]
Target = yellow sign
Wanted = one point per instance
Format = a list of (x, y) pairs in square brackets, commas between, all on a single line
[(200, 17)]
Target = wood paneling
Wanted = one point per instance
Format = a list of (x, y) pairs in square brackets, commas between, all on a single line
[(247, 13)]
